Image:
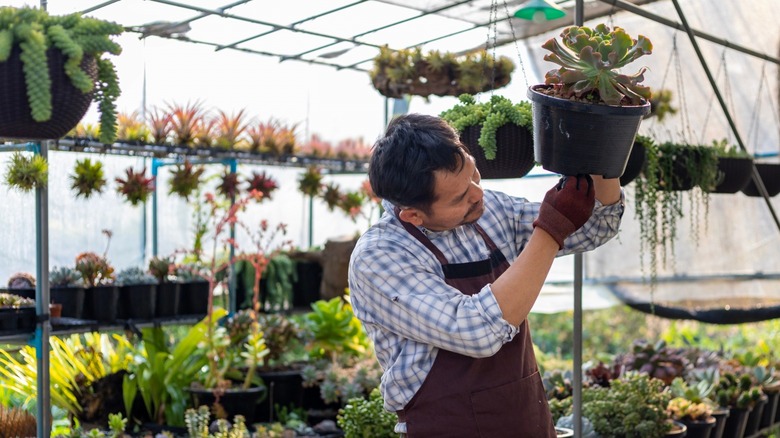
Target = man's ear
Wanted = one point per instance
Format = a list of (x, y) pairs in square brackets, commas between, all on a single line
[(411, 215)]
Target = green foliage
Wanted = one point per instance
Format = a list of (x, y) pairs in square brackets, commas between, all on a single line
[(198, 425), (726, 150), (64, 277), (160, 268), (35, 32), (661, 104), (362, 418), (491, 115), (737, 390), (26, 173), (590, 60), (134, 275), (335, 330), (95, 270), (342, 378), (162, 371), (14, 301), (88, 178), (117, 424), (310, 181)]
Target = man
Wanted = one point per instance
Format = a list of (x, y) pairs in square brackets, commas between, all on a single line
[(443, 283)]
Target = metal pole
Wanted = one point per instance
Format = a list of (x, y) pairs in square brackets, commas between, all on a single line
[(577, 359), (232, 304), (756, 176), (155, 171), (42, 328), (311, 221)]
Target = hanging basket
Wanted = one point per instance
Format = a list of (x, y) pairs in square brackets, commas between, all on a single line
[(636, 160), (733, 174), (770, 175), (514, 151), (69, 104), (574, 138), (677, 177)]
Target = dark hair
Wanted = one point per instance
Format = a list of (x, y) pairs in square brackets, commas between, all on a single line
[(404, 160)]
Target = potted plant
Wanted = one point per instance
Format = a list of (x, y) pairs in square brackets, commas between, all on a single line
[(770, 176), (587, 114), (67, 289), (168, 291), (184, 122), (735, 168), (263, 183), (52, 69), (135, 187), (230, 129), (364, 417), (137, 293), (482, 126), (410, 72), (691, 407), (17, 313), (26, 173), (132, 130), (737, 393), (87, 178), (199, 425), (101, 296), (185, 179), (310, 181)]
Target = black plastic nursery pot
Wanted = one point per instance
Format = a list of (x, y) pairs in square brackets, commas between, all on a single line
[(17, 320), (770, 176), (285, 389), (733, 174), (700, 429), (768, 417), (572, 138), (634, 165), (137, 301), (194, 298), (101, 303), (736, 423), (234, 401), (168, 294), (71, 298)]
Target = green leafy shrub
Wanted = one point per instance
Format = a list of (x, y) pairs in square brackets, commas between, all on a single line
[(87, 178), (362, 418), (26, 173)]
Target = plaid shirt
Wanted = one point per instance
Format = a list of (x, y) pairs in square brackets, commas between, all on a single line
[(397, 288)]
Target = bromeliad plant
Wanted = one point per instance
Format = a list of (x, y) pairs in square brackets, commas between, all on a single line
[(87, 178), (590, 60), (26, 173), (185, 179), (135, 187)]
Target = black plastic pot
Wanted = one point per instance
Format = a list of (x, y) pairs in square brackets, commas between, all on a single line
[(720, 422), (574, 138), (700, 429), (306, 289), (736, 423), (167, 300), (71, 298), (101, 303), (514, 151), (680, 431), (9, 320), (285, 389), (754, 417), (770, 175), (194, 298), (634, 165), (768, 417), (137, 301), (233, 401)]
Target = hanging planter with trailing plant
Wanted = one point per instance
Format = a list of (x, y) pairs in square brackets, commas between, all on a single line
[(51, 69), (735, 168), (410, 72), (636, 159), (587, 114), (26, 173), (485, 126)]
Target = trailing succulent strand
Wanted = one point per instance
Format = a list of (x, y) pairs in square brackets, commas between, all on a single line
[(36, 32)]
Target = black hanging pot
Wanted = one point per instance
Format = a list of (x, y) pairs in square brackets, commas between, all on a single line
[(514, 151), (733, 174), (69, 104), (572, 138), (770, 175), (634, 165)]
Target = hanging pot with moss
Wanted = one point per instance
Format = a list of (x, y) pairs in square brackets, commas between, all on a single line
[(735, 168), (497, 133), (587, 114), (52, 69)]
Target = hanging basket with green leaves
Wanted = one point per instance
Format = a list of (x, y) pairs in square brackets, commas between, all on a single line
[(51, 69)]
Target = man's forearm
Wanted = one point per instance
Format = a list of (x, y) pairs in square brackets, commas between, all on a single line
[(607, 190)]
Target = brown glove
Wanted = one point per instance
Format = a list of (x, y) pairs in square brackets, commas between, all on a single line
[(566, 207)]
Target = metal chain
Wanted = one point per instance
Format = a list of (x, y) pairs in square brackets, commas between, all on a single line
[(712, 96), (517, 48)]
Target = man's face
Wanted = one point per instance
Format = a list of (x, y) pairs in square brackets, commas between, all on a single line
[(458, 198)]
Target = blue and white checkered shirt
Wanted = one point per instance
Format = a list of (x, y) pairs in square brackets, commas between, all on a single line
[(397, 288)]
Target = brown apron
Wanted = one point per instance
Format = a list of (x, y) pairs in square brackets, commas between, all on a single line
[(492, 397)]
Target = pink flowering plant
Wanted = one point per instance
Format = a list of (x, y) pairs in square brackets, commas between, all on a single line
[(226, 358)]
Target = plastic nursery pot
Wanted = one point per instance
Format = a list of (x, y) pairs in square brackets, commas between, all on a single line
[(572, 138)]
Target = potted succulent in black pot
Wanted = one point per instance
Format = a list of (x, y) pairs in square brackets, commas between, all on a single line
[(17, 313), (137, 294), (168, 292), (67, 289), (101, 297), (485, 126), (587, 114), (51, 69)]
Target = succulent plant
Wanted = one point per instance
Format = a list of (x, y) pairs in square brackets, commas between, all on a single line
[(64, 277), (490, 115), (87, 178), (557, 384), (680, 408), (310, 181), (656, 360), (738, 391), (134, 275), (160, 268), (263, 183), (280, 333), (228, 185), (26, 173), (136, 187), (185, 179), (14, 301), (35, 32), (590, 60), (21, 280), (95, 270)]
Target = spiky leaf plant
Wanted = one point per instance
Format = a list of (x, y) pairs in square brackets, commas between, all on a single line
[(15, 422), (160, 126), (132, 129), (229, 185), (185, 179), (310, 181), (229, 129), (25, 173), (185, 122), (35, 32), (136, 187), (88, 178), (263, 183)]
